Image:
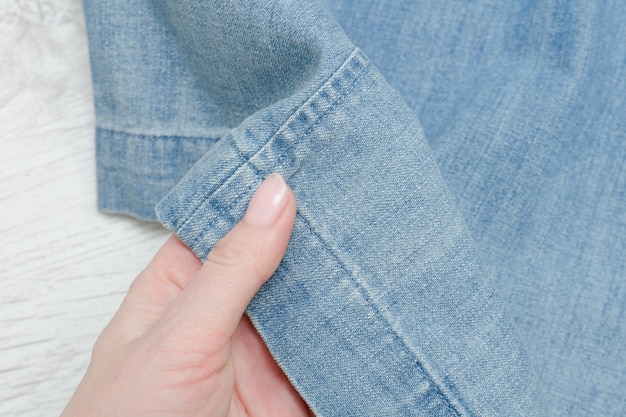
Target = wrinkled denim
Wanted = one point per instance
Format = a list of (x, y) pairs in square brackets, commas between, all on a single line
[(469, 263)]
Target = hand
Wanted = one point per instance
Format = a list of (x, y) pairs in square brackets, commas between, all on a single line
[(180, 345)]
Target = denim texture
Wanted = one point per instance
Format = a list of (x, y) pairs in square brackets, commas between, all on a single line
[(471, 263)]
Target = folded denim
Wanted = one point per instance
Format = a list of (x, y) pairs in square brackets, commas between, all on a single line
[(412, 254)]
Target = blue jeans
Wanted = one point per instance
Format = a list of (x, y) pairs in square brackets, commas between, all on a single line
[(470, 264)]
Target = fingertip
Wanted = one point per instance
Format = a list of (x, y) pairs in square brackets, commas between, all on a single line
[(268, 202)]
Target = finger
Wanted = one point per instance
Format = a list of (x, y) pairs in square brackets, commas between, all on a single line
[(210, 308), (154, 289)]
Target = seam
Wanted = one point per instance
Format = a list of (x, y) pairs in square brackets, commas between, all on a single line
[(329, 81), (203, 201), (283, 127), (365, 293), (152, 136), (309, 129)]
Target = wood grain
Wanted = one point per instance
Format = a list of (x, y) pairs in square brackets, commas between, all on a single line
[(64, 267)]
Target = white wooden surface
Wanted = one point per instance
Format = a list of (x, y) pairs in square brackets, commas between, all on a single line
[(64, 267)]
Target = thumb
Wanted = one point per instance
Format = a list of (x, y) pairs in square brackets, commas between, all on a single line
[(210, 308)]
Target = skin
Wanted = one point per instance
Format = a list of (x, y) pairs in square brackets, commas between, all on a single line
[(180, 344)]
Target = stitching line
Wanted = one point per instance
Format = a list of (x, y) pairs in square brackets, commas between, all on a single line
[(379, 314), (310, 128), (154, 136), (284, 127)]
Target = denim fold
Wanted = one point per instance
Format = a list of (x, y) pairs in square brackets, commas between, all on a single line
[(380, 306)]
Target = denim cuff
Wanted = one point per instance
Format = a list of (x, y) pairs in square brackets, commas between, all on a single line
[(380, 306), (135, 171)]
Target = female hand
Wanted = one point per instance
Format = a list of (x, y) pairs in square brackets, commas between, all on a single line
[(180, 345)]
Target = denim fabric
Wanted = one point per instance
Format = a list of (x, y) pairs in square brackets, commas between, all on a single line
[(474, 268)]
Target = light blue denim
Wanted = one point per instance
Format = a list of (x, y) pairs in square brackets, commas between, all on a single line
[(471, 263)]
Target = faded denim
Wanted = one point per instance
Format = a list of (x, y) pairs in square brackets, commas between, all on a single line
[(471, 263)]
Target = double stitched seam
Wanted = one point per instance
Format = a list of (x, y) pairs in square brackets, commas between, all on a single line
[(222, 209), (344, 91), (355, 56), (312, 126)]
